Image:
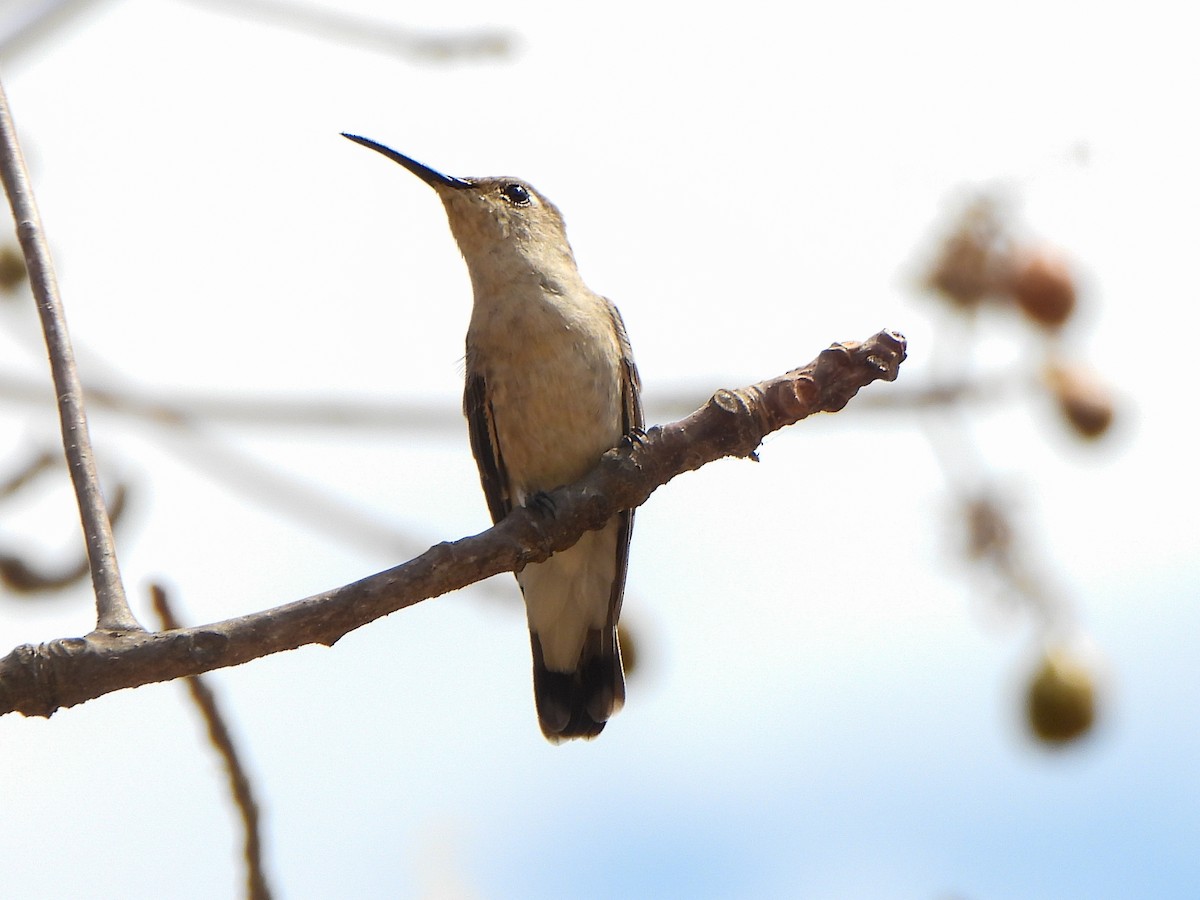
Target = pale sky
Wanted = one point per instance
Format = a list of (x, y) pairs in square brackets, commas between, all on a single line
[(830, 704)]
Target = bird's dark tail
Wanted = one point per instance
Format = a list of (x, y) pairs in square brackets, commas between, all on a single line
[(577, 704)]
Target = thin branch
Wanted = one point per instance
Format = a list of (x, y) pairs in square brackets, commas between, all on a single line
[(112, 608), (39, 680), (184, 435), (257, 887), (331, 23), (20, 574), (976, 390), (31, 24), (35, 466), (397, 414), (301, 500), (29, 580)]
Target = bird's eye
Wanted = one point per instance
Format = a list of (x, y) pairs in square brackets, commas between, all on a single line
[(516, 194)]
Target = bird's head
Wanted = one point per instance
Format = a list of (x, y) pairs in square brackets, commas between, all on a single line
[(498, 222)]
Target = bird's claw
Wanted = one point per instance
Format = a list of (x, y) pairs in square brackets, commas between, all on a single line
[(544, 503), (634, 437)]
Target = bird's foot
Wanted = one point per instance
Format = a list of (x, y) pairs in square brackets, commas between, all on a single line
[(543, 503), (634, 437)]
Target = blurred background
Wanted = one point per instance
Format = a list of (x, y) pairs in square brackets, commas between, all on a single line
[(935, 646)]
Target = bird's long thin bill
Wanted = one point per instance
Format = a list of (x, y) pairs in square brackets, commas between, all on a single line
[(426, 174)]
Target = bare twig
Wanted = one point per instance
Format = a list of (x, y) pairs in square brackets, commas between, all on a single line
[(35, 466), (181, 426), (112, 608), (257, 887), (30, 580), (399, 414), (331, 23), (39, 680), (31, 23)]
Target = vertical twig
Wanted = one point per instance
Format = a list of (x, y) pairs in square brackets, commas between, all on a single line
[(112, 608), (256, 879)]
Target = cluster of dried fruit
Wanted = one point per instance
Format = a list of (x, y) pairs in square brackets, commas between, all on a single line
[(980, 263)]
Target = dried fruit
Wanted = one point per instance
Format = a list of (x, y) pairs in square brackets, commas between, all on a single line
[(974, 258), (1043, 287), (1084, 401), (989, 533), (12, 269), (1061, 700)]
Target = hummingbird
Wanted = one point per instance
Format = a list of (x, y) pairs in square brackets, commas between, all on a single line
[(550, 386)]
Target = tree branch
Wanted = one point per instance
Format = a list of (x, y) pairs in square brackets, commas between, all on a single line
[(112, 608), (333, 24), (39, 680)]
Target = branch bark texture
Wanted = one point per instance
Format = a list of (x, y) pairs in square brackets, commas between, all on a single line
[(37, 680)]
